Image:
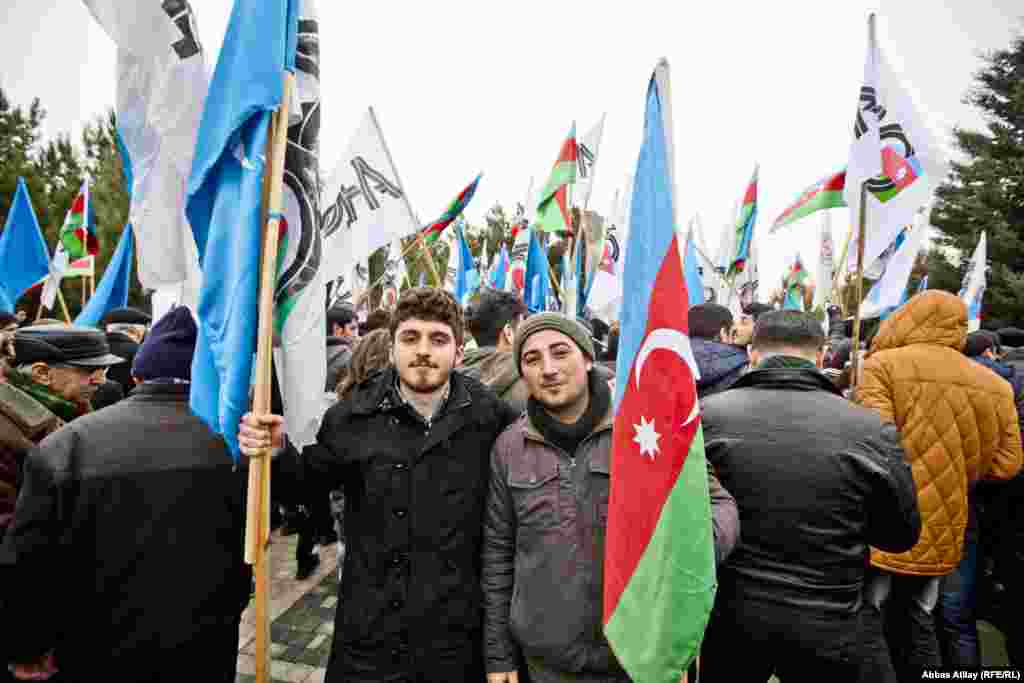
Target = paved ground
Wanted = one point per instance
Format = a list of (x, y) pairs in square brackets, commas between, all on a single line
[(302, 621), (302, 618)]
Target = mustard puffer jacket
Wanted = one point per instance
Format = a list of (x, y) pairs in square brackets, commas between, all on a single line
[(957, 422)]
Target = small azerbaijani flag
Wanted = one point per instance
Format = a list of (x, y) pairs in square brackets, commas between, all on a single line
[(78, 234), (745, 227), (432, 232), (795, 283), (827, 193), (553, 206), (659, 572)]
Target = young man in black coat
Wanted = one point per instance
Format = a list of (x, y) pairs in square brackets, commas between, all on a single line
[(411, 449), (817, 480), (126, 545)]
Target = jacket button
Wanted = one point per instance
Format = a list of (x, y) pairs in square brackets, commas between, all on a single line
[(400, 465), (396, 604), (400, 512), (396, 559)]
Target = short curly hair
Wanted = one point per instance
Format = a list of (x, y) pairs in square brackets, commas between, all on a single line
[(432, 304)]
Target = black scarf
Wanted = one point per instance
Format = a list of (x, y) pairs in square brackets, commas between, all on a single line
[(569, 436)]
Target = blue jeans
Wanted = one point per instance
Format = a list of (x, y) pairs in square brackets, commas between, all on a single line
[(956, 618)]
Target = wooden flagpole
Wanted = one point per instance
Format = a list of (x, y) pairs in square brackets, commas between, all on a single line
[(859, 284), (425, 253), (257, 528), (63, 304)]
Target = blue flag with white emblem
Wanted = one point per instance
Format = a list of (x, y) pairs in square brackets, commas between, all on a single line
[(224, 206)]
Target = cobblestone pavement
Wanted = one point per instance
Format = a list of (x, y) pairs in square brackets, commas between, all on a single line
[(302, 621), (302, 618)]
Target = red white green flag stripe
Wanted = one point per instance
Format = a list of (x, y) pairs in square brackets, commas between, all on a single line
[(432, 232), (745, 227), (827, 193), (553, 209), (77, 234)]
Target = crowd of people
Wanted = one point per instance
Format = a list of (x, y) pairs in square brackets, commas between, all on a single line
[(862, 524)]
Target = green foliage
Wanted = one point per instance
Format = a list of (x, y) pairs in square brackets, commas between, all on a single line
[(985, 191), (54, 170)]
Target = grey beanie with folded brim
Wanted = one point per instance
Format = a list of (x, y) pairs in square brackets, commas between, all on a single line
[(552, 321)]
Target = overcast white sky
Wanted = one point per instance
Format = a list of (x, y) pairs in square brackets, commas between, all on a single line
[(463, 86)]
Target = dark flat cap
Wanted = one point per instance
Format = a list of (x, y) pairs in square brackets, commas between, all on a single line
[(1011, 336), (80, 346), (126, 316)]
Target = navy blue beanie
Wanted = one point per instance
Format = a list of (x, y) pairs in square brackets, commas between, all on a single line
[(167, 351)]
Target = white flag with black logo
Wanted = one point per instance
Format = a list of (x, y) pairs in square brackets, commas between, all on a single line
[(161, 88), (586, 162), (893, 152), (365, 204)]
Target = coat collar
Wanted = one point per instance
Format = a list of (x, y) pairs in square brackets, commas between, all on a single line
[(160, 391), (379, 394), (793, 379)]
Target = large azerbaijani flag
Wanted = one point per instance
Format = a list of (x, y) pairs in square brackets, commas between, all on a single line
[(553, 203), (745, 227), (827, 193), (432, 232), (659, 573), (78, 234)]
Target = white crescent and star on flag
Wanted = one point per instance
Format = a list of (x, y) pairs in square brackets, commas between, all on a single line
[(678, 342)]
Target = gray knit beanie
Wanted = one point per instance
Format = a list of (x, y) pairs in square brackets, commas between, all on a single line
[(552, 321)]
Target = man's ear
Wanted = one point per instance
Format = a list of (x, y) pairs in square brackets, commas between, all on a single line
[(40, 373), (460, 353), (755, 357), (819, 358)]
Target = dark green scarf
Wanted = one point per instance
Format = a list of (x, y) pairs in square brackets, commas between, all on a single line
[(569, 436), (791, 362), (59, 406)]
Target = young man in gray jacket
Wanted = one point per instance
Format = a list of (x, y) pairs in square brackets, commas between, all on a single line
[(547, 509)]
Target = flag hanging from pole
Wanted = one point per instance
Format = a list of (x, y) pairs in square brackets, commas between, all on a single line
[(161, 87), (745, 227), (553, 202), (692, 270), (794, 285), (432, 232), (299, 328), (973, 290), (224, 205), (586, 162), (367, 206), (24, 258), (893, 152), (659, 572), (890, 291), (73, 242), (827, 193), (537, 281), (112, 290)]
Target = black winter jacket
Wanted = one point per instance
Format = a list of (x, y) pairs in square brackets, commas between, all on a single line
[(411, 601), (125, 555), (720, 365), (816, 479)]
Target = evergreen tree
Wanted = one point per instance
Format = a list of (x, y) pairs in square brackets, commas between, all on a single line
[(985, 190)]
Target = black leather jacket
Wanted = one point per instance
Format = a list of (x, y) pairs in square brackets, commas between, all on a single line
[(817, 480)]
